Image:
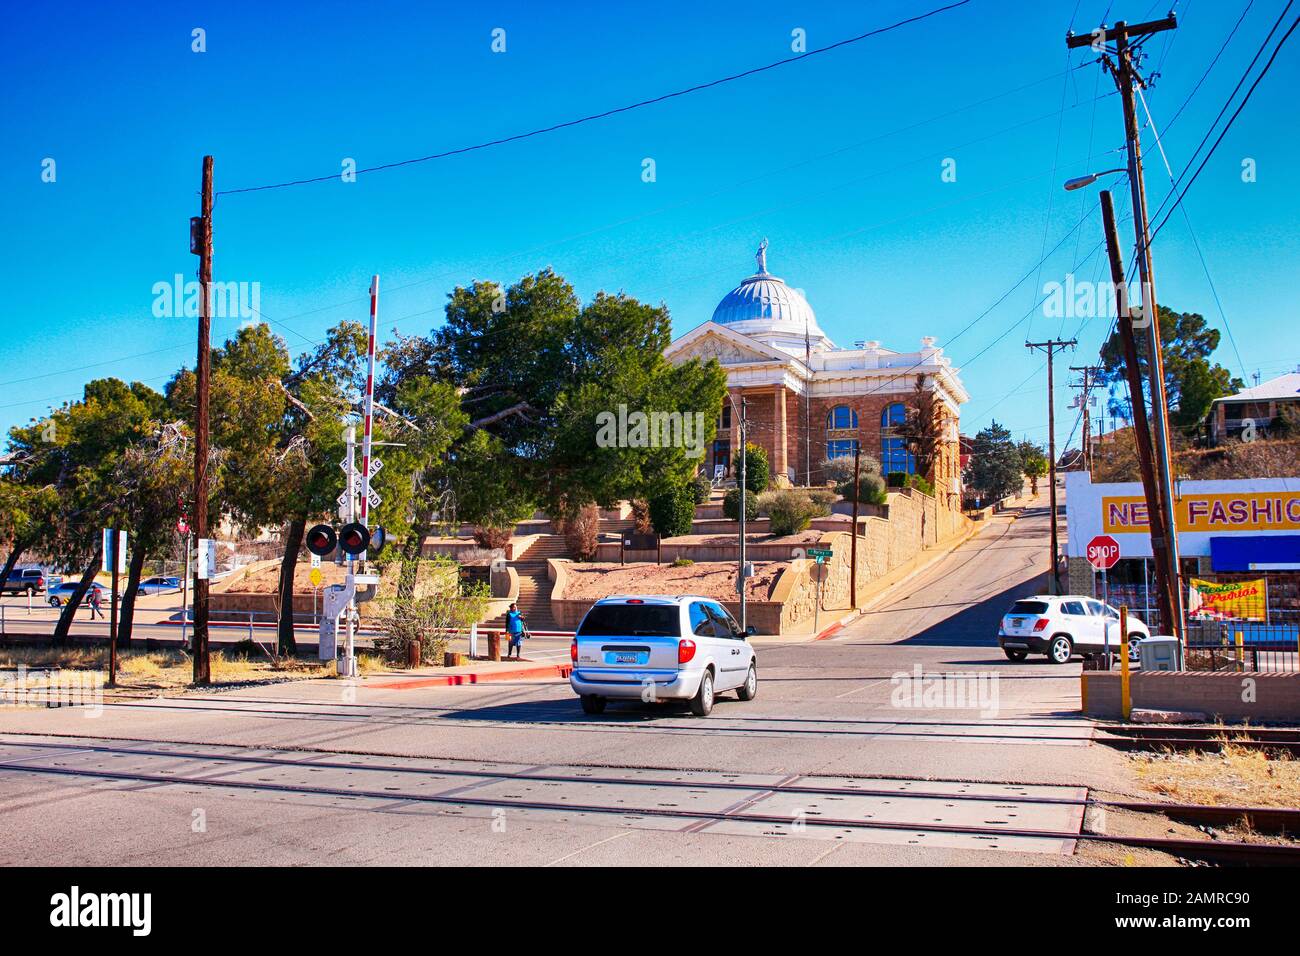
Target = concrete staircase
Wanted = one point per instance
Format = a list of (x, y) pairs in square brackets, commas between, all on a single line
[(534, 586)]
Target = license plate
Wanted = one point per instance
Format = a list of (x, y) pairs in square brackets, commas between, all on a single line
[(1017, 622), (626, 658)]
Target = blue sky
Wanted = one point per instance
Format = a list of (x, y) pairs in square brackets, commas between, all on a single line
[(836, 160)]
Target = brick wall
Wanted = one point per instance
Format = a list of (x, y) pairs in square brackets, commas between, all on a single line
[(1255, 697)]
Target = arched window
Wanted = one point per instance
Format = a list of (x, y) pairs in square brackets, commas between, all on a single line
[(841, 416), (894, 455)]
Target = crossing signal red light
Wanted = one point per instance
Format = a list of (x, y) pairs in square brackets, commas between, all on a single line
[(321, 540), (354, 538)]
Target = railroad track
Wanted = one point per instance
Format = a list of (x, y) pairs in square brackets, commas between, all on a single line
[(944, 813), (1149, 737)]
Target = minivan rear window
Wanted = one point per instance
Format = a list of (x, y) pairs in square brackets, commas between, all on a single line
[(1028, 607), (632, 620)]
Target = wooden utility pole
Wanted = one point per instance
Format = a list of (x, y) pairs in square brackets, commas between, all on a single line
[(853, 541), (113, 536), (1051, 347), (202, 665), (1126, 75), (1090, 373), (1141, 430)]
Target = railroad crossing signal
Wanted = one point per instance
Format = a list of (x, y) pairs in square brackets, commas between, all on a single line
[(1103, 552), (321, 540), (354, 538)]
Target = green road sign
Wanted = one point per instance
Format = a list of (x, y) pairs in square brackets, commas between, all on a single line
[(819, 553)]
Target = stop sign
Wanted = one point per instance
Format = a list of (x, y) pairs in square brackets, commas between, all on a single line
[(1103, 552)]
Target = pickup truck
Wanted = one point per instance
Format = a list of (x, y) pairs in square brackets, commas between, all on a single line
[(24, 581)]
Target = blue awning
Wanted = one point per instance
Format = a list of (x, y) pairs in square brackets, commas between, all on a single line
[(1255, 552)]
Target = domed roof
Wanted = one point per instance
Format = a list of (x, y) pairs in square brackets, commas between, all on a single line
[(764, 303)]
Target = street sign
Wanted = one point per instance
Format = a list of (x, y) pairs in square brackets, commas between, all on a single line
[(819, 553), (1103, 552), (106, 553), (205, 567), (315, 560), (315, 575)]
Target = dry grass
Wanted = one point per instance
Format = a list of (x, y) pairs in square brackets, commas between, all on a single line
[(1235, 777), (158, 670)]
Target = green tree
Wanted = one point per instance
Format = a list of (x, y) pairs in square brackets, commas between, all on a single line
[(1034, 461), (757, 473), (995, 469), (672, 511), (1192, 380)]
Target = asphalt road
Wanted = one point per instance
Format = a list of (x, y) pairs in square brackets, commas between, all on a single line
[(851, 754)]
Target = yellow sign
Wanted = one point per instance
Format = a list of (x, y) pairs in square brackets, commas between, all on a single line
[(1234, 600), (315, 577), (1213, 513)]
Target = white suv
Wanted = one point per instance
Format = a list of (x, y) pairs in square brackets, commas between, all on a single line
[(1060, 625), (654, 647)]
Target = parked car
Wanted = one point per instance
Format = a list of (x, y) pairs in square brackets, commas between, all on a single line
[(1061, 625), (656, 647), (25, 581), (158, 585), (59, 594)]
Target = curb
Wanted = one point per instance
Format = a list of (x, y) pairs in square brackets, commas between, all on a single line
[(475, 677)]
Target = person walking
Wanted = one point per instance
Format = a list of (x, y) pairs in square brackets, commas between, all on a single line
[(96, 603), (517, 630)]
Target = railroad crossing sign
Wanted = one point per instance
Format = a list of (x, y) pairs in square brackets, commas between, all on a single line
[(1103, 552), (350, 468)]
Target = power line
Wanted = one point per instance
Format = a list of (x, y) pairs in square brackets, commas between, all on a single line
[(1227, 40), (617, 110)]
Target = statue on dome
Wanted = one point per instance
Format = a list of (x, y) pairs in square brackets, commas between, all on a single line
[(761, 257)]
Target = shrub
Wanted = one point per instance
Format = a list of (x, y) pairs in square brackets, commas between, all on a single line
[(896, 479), (731, 504), (491, 537), (920, 484), (789, 511), (641, 516), (757, 472), (581, 533), (442, 608), (682, 563), (702, 488), (871, 490), (672, 511), (840, 470), (822, 499)]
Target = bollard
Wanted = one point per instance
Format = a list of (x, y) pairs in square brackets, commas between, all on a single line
[(414, 652), (1125, 695), (494, 645), (1241, 651)]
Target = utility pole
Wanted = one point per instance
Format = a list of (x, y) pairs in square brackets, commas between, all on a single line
[(202, 665), (1090, 373), (853, 541), (1138, 410), (114, 535), (1052, 346), (1125, 72), (744, 440)]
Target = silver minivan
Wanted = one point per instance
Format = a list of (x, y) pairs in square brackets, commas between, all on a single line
[(657, 647)]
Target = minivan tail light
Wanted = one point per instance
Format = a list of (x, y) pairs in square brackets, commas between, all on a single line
[(573, 651), (685, 650), (1040, 624)]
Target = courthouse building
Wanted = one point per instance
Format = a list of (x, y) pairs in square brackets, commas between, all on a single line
[(809, 399)]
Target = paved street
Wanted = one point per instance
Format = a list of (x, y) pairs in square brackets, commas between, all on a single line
[(832, 763)]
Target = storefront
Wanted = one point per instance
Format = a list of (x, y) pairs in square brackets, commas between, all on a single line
[(1239, 542)]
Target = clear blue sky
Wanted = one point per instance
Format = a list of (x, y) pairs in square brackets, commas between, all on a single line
[(817, 156)]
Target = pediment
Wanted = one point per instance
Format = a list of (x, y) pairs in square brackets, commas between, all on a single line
[(729, 348)]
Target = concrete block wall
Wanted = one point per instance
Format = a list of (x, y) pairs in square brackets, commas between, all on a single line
[(1257, 697)]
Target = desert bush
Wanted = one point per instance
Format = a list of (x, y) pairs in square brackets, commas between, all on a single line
[(672, 511), (443, 608), (789, 511), (682, 563), (582, 533), (492, 538), (823, 499), (731, 505), (641, 517)]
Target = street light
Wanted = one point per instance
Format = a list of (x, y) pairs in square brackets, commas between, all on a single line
[(1080, 181)]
